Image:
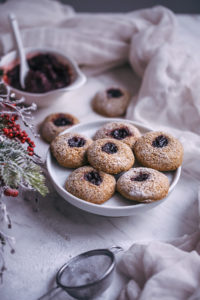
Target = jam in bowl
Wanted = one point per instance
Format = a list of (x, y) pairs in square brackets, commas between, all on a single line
[(51, 75)]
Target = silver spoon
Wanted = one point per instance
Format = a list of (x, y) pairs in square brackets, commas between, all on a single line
[(24, 68)]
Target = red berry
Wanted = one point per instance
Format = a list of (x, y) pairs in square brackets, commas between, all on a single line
[(5, 130), (15, 193), (32, 144), (24, 133), (30, 153), (11, 192), (7, 192), (30, 149)]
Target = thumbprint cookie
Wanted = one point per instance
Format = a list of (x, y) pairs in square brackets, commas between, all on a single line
[(121, 131), (91, 185), (159, 150), (69, 149), (112, 102), (56, 123), (110, 156), (143, 185)]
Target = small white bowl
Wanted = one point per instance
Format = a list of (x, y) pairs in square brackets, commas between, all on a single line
[(9, 60)]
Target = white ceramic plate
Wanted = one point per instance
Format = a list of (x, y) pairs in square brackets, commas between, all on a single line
[(117, 205)]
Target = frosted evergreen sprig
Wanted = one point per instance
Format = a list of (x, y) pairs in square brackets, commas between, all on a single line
[(20, 167)]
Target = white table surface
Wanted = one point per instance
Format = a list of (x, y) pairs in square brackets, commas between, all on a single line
[(58, 231)]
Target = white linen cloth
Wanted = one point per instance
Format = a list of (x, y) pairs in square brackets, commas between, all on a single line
[(162, 271), (166, 60)]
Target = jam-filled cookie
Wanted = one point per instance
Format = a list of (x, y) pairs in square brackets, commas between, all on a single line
[(56, 123), (69, 149), (91, 185), (159, 150), (122, 131), (110, 156), (112, 102), (143, 185)]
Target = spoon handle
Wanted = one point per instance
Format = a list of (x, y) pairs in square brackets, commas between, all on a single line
[(24, 68)]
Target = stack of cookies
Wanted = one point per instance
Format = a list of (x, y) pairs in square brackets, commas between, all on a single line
[(105, 163)]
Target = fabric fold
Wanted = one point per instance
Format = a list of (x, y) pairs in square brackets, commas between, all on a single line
[(160, 270)]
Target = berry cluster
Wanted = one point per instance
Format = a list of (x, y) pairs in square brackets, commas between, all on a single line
[(13, 130), (11, 192)]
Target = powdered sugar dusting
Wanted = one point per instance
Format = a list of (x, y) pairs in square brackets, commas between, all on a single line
[(114, 163), (165, 158), (153, 188), (106, 130)]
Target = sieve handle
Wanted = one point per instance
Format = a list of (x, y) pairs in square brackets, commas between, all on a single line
[(49, 292), (116, 249)]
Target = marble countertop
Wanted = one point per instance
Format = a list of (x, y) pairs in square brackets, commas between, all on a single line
[(46, 239)]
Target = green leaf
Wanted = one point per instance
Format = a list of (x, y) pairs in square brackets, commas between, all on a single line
[(35, 179)]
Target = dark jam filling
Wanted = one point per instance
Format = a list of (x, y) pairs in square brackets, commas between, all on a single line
[(140, 177), (120, 133), (114, 93), (160, 141), (62, 121), (76, 142), (93, 177), (109, 148), (46, 74)]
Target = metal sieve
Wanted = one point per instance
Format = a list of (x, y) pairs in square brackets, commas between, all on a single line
[(87, 275)]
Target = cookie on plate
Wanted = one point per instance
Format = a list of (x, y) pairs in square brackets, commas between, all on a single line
[(143, 185), (112, 102), (91, 185), (56, 123), (69, 149), (110, 156), (122, 131), (159, 150)]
